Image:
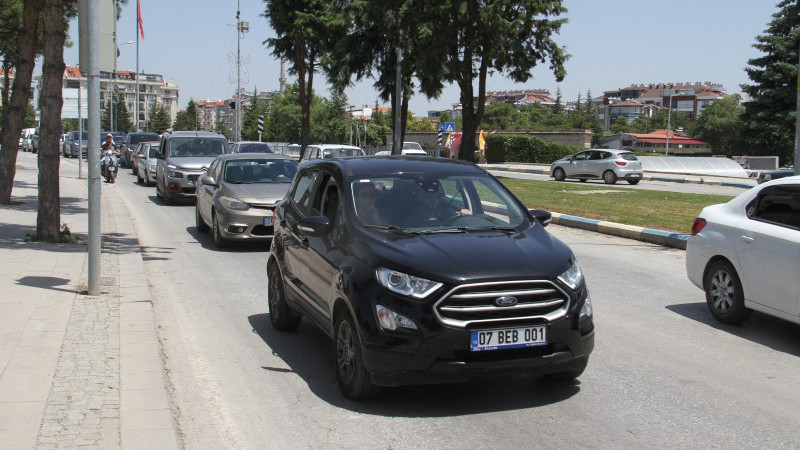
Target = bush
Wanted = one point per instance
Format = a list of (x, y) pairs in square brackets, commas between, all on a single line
[(525, 149)]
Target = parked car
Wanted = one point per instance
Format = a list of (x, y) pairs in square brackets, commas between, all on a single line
[(145, 162), (62, 142), (425, 270), (327, 151), (236, 198), (21, 145), (609, 165), (34, 139), (768, 175), (744, 253), (76, 144), (409, 148), (129, 144), (250, 147), (183, 156)]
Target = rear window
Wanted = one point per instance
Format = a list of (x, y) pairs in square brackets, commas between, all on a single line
[(74, 135), (141, 137), (628, 156), (189, 147), (255, 147)]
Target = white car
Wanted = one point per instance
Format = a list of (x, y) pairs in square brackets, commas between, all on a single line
[(745, 254), (409, 148), (327, 151)]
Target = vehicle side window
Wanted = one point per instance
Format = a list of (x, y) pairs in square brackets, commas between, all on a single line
[(582, 156), (303, 191), (213, 170), (329, 204), (779, 205)]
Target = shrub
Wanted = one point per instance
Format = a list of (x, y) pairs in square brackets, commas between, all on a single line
[(525, 149)]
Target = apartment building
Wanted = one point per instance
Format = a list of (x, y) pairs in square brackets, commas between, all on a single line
[(637, 99), (153, 89)]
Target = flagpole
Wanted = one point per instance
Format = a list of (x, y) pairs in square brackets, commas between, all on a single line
[(136, 97)]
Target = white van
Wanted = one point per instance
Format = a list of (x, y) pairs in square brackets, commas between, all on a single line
[(27, 139)]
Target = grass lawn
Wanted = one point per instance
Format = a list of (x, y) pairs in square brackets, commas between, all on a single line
[(662, 210)]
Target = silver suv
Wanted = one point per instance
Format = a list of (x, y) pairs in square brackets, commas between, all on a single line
[(182, 158), (606, 164)]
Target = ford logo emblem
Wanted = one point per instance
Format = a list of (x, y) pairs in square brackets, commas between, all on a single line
[(505, 301)]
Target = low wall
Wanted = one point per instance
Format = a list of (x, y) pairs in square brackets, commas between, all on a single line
[(581, 138)]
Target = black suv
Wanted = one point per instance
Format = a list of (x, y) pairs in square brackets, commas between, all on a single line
[(425, 270)]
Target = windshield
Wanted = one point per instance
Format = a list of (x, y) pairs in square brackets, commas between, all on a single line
[(74, 135), (255, 147), (142, 137), (189, 147), (260, 170), (340, 152), (431, 202)]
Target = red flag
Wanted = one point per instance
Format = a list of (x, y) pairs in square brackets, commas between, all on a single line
[(139, 15)]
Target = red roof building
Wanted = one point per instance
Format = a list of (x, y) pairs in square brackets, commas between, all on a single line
[(656, 142)]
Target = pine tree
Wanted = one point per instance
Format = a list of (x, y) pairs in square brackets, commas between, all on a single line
[(769, 116)]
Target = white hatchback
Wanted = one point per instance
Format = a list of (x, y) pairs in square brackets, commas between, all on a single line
[(745, 254)]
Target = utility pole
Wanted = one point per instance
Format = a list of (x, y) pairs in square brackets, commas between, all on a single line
[(397, 146), (92, 151), (797, 128)]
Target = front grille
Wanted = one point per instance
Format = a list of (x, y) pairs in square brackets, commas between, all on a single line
[(472, 304), (193, 177), (269, 206)]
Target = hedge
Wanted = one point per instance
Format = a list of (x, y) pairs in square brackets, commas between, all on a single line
[(525, 149)]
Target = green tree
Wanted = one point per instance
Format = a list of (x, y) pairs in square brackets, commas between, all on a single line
[(720, 124), (769, 115), (222, 129), (186, 120), (510, 37), (284, 119), (157, 118), (306, 30), (503, 116), (330, 121), (621, 125)]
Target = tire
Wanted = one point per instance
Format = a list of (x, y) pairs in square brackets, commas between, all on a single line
[(279, 313), (633, 181), (724, 294), (353, 379), (167, 199), (139, 179), (219, 241), (199, 223), (559, 175), (609, 177), (567, 375)]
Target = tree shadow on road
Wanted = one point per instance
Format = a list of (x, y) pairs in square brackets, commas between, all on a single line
[(308, 353), (13, 237), (245, 245), (51, 283), (30, 203), (761, 329)]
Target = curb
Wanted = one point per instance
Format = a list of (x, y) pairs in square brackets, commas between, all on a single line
[(645, 177), (653, 236)]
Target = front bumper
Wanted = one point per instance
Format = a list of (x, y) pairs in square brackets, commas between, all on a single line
[(255, 223), (182, 183), (436, 353)]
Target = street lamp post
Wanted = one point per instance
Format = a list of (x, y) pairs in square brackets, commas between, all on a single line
[(669, 117)]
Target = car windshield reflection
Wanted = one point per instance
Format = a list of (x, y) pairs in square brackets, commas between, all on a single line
[(249, 171)]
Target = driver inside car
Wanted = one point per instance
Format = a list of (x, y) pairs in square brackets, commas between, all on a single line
[(432, 208)]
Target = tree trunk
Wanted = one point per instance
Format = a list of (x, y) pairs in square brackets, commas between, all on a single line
[(6, 88), (48, 220), (15, 116)]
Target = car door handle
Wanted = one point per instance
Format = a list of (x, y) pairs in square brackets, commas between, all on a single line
[(748, 240)]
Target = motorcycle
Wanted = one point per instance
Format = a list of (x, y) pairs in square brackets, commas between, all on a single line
[(110, 165)]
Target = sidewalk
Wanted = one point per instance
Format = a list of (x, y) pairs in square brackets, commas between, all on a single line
[(77, 370)]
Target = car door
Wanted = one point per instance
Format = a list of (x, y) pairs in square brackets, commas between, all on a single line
[(768, 249), (577, 165), (298, 206), (205, 192), (324, 251)]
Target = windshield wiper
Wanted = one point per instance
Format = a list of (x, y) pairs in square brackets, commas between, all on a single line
[(391, 228), (240, 182), (447, 230)]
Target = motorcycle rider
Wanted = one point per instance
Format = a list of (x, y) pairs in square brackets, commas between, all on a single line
[(107, 145)]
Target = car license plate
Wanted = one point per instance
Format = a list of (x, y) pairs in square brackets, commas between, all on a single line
[(268, 221), (482, 340), (635, 175), (194, 183)]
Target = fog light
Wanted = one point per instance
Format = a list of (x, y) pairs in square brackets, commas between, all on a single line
[(174, 187), (236, 229), (390, 320)]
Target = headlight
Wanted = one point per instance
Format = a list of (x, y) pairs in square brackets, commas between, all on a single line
[(233, 203), (406, 284), (152, 167), (573, 276), (171, 166), (390, 320), (586, 310)]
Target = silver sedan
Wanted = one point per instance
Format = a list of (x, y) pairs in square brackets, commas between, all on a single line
[(606, 164), (236, 196)]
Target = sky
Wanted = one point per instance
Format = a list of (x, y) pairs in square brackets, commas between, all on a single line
[(612, 43)]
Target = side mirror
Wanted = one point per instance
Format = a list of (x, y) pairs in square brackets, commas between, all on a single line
[(314, 226), (208, 180), (160, 155), (542, 216)]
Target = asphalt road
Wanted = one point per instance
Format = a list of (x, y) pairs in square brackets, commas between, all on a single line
[(663, 373), (692, 188)]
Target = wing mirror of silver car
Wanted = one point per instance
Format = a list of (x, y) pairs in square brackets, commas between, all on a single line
[(314, 226), (542, 216), (208, 180)]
